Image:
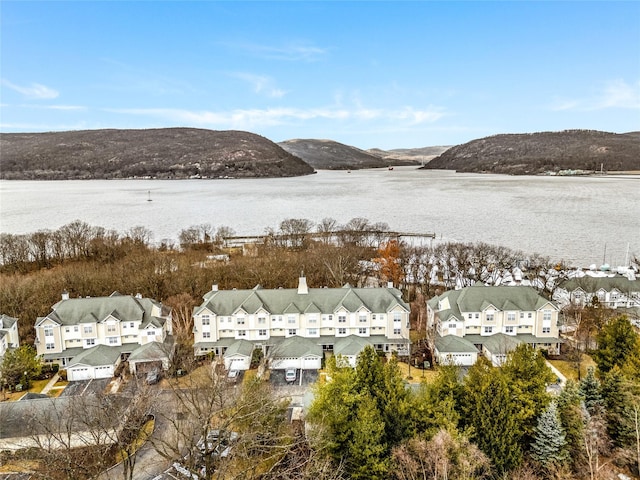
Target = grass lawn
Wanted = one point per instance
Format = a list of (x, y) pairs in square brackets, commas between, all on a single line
[(568, 369), (36, 387), (417, 374)]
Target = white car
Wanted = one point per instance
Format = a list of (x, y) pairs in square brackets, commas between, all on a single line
[(290, 375)]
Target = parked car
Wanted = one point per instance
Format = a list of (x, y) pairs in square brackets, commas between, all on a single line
[(233, 376), (290, 375), (218, 443), (153, 377)]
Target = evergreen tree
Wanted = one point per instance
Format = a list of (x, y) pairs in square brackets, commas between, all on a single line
[(20, 366), (617, 342), (569, 406), (367, 453), (491, 414), (437, 404), (618, 400), (590, 391), (548, 447), (528, 375)]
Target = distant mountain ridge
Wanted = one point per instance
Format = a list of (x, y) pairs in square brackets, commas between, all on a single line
[(331, 155), (150, 153), (543, 152)]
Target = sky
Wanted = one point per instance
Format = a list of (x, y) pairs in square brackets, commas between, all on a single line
[(370, 74)]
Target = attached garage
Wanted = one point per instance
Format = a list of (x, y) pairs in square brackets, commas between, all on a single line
[(455, 350), (95, 362), (296, 352), (153, 356), (238, 355)]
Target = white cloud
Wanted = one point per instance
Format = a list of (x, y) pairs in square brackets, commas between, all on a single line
[(615, 94), (55, 107), (290, 52), (35, 90), (246, 119), (261, 84)]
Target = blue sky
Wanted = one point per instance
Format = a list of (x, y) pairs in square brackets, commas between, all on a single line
[(368, 74)]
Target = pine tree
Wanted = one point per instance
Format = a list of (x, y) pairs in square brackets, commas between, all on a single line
[(549, 444), (617, 342), (590, 391)]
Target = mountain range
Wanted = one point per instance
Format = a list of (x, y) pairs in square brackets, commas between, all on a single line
[(199, 153)]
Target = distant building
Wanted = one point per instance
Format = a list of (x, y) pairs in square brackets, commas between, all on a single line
[(91, 336), (491, 321), (612, 290), (293, 327), (9, 337)]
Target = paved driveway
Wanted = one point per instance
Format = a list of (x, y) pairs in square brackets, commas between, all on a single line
[(85, 387)]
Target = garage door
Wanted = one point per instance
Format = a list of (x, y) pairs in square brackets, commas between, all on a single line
[(80, 374), (311, 363)]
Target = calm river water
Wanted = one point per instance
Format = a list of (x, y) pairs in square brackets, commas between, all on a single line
[(577, 219)]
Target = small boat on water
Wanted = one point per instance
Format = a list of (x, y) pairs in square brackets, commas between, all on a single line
[(390, 167), (149, 197)]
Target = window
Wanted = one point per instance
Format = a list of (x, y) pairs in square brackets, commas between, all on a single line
[(470, 316), (262, 332), (113, 340), (206, 334), (521, 314), (313, 319), (48, 331), (490, 317), (362, 331), (397, 331), (511, 316), (342, 319), (477, 316), (546, 315), (262, 320), (292, 331), (508, 329), (452, 325), (76, 329), (291, 319), (529, 315), (373, 316), (546, 329), (362, 318), (90, 341), (397, 316), (312, 331), (206, 320), (67, 330), (342, 331), (88, 329), (111, 329), (240, 320), (488, 329), (50, 346), (242, 333)]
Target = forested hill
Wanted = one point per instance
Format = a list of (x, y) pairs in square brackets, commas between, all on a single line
[(330, 155), (534, 153), (154, 153)]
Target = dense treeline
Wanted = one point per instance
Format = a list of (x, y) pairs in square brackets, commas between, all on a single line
[(492, 422)]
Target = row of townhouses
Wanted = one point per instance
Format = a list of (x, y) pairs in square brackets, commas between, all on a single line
[(294, 328), (611, 289)]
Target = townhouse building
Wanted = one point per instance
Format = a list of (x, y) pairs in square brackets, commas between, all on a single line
[(612, 290), (9, 337), (282, 321), (492, 321), (91, 336)]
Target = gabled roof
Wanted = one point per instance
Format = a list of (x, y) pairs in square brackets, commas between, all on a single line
[(592, 284), (239, 347), (454, 344), (320, 300), (7, 322), (350, 346), (296, 347), (479, 297), (97, 356), (151, 351), (94, 309)]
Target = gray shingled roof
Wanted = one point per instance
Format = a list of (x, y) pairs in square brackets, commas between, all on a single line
[(593, 284), (282, 301), (152, 351), (96, 309), (454, 344), (96, 356), (477, 298), (239, 347), (6, 321), (349, 346), (297, 347)]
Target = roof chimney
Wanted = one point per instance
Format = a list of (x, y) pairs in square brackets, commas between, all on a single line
[(302, 285), (214, 287), (65, 295), (389, 284)]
